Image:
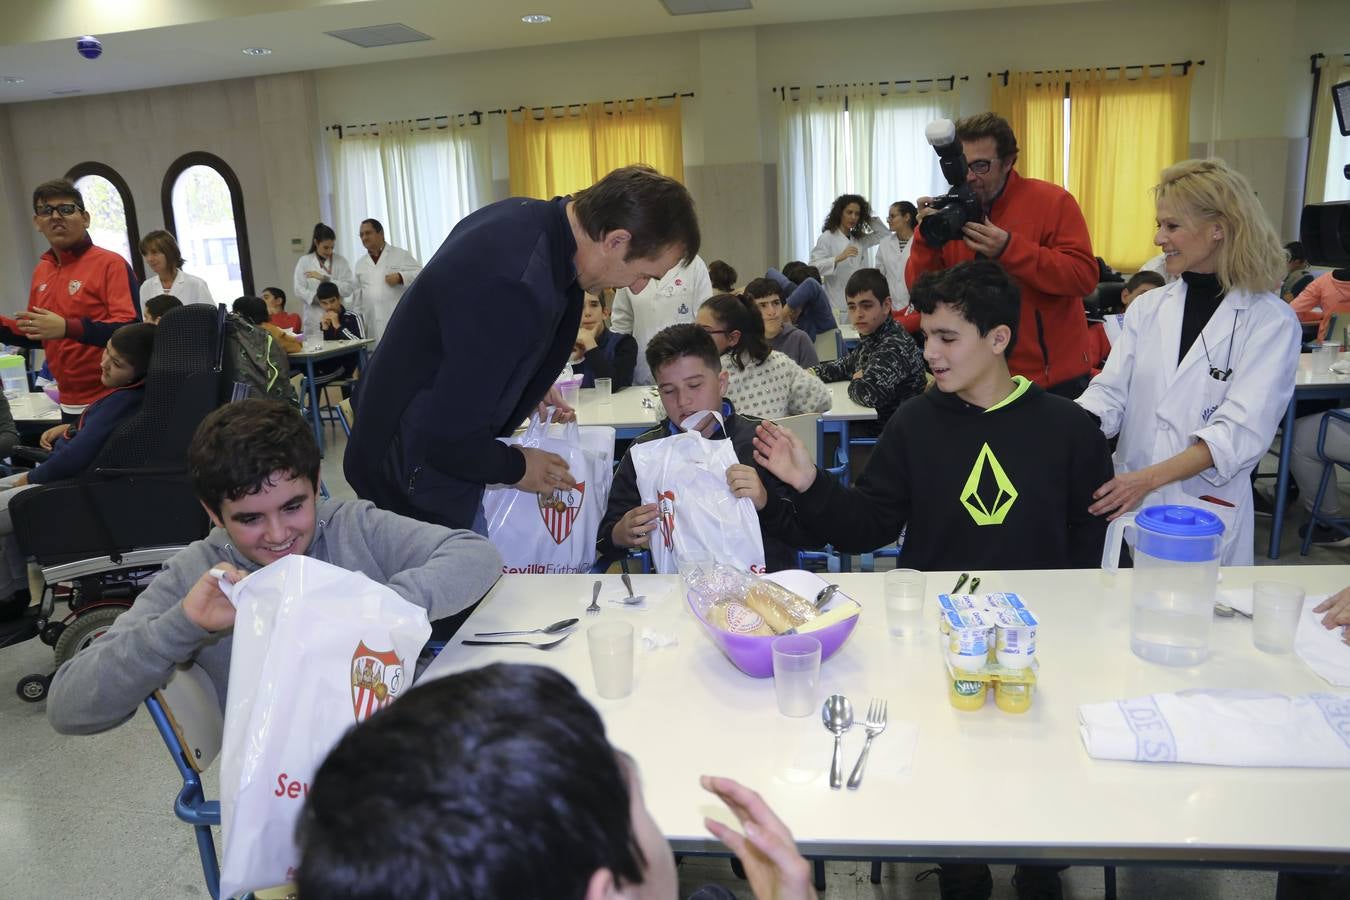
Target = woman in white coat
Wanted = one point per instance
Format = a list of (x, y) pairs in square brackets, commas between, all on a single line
[(850, 230), (165, 262), (321, 264), (1204, 368), (893, 251)]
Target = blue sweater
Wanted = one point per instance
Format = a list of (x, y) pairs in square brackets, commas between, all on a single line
[(472, 347), (72, 455), (809, 298)]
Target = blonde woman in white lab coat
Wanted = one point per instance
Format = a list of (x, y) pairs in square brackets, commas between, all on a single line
[(849, 232), (1204, 368)]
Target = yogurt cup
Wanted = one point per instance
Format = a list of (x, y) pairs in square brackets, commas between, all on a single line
[(968, 638), (1003, 601), (1015, 638)]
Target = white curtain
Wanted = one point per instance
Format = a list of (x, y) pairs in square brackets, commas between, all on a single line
[(418, 182), (875, 147)]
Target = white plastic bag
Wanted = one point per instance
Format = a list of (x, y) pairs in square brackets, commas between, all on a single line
[(685, 475), (316, 650), (554, 533)]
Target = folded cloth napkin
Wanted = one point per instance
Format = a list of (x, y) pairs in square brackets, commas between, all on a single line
[(1221, 728), (1323, 650)]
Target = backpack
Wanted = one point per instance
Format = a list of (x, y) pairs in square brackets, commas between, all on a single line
[(253, 363)]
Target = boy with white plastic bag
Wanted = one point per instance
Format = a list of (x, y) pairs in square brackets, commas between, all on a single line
[(255, 467), (669, 496), (553, 533)]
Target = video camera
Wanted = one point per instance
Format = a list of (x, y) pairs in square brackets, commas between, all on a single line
[(959, 205)]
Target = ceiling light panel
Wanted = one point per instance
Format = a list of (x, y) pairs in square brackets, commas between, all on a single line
[(696, 7), (380, 35)]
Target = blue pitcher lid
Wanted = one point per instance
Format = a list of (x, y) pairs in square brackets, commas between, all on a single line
[(1179, 521)]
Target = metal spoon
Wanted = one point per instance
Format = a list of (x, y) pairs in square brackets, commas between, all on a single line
[(837, 714), (826, 595), (550, 629), (548, 646), (1228, 612)]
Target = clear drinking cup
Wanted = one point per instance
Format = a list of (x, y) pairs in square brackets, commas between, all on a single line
[(796, 674), (604, 389), (611, 646), (1276, 610), (904, 591)]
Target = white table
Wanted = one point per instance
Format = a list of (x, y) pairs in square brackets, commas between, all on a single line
[(983, 785), (624, 412), (34, 406), (331, 350), (1309, 384)]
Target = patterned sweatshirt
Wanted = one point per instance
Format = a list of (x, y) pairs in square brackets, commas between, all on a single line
[(775, 388), (892, 372)]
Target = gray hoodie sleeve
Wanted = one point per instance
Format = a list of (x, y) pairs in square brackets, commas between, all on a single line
[(101, 686)]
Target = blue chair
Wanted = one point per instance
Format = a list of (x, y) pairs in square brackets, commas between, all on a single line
[(1329, 464)]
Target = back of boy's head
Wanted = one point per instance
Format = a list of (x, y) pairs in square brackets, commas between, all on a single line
[(327, 290), (239, 446), (722, 276), (759, 288), (1295, 251), (251, 309), (681, 340), (497, 783), (794, 271), (979, 291), (1140, 279), (158, 305), (868, 281), (278, 293), (135, 343)]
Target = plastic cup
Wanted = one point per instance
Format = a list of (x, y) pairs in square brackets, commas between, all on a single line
[(796, 674), (611, 646), (904, 590), (1276, 610), (604, 389), (1325, 355)]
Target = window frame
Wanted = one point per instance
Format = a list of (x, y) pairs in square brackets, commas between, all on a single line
[(222, 168), (103, 170)]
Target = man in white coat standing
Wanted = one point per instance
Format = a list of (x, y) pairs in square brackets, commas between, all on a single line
[(383, 273), (672, 300)]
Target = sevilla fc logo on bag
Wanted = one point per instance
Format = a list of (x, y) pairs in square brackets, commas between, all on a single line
[(560, 510), (377, 679), (665, 508)]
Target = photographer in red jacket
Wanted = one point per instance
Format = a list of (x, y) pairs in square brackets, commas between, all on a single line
[(1037, 232)]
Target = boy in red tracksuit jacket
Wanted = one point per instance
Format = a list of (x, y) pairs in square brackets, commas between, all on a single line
[(1036, 231), (80, 294)]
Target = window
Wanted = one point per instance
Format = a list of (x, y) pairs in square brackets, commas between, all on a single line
[(112, 212), (204, 209)]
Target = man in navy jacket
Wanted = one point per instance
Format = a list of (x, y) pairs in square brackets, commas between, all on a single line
[(479, 337)]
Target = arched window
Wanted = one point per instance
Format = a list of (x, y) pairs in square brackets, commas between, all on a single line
[(204, 209), (112, 211)]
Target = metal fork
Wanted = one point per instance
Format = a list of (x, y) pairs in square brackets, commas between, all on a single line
[(548, 646), (875, 723), (594, 608), (630, 600)]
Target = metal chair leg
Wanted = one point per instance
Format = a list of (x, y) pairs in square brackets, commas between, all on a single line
[(1109, 882), (1328, 470), (876, 871), (818, 866)]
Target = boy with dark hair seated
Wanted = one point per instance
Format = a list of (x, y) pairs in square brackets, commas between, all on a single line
[(603, 353), (688, 373), (158, 305), (255, 469), (885, 369), (253, 310), (275, 298), (338, 325), (499, 783), (808, 306)]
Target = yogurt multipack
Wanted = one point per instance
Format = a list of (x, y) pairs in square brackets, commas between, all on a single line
[(989, 638)]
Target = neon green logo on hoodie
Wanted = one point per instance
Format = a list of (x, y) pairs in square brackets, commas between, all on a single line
[(983, 508)]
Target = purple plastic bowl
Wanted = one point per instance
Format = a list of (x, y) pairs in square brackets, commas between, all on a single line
[(53, 392), (753, 653)]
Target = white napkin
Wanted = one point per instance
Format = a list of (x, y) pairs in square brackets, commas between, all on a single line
[(1221, 728), (904, 736), (1341, 367), (656, 640), (1323, 650)]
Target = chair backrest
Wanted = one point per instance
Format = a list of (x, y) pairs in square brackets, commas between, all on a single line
[(807, 430), (180, 389), (829, 345), (189, 701)]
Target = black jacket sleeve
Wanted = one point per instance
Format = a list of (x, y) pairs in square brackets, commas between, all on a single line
[(1089, 468), (623, 496), (861, 519)]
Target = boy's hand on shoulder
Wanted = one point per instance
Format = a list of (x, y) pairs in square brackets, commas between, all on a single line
[(206, 605), (636, 527), (744, 481), (781, 452)]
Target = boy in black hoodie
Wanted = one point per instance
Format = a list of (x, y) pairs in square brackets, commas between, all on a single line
[(987, 470)]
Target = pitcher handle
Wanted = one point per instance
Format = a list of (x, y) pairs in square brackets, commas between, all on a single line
[(1111, 549)]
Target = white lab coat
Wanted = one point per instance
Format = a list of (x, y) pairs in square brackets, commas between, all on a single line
[(187, 288), (673, 300), (891, 260), (836, 275), (1159, 408), (376, 298), (338, 270), (1159, 264)]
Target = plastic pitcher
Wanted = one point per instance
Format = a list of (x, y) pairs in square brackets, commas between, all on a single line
[(1176, 571), (13, 374)]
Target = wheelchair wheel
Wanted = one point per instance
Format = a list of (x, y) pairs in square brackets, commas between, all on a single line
[(84, 630), (51, 633), (33, 688)]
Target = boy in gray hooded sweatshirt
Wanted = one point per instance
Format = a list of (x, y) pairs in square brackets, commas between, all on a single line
[(255, 468)]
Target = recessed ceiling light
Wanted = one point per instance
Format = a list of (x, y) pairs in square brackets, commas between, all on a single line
[(13, 79), (257, 51), (536, 19)]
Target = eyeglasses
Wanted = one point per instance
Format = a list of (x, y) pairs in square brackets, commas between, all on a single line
[(712, 331), (65, 209), (980, 166)]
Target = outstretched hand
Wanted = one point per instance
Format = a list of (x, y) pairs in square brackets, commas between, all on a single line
[(781, 452), (1337, 609), (774, 868)]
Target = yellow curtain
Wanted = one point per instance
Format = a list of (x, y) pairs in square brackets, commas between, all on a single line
[(1324, 169), (561, 154), (1122, 133), (1034, 106)]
